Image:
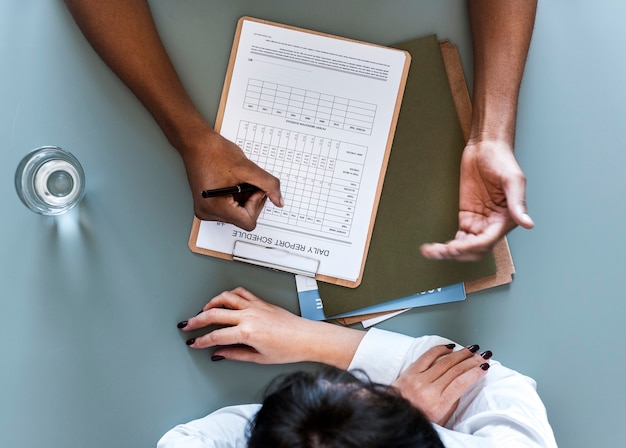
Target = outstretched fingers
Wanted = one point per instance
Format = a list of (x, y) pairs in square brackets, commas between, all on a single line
[(425, 361), (222, 336), (214, 316), (222, 309), (466, 246), (235, 299)]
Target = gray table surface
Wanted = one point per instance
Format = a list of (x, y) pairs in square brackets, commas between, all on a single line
[(90, 352)]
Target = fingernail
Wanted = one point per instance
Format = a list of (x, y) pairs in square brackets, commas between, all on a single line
[(217, 358), (450, 346), (485, 366), (182, 324), (199, 312), (486, 354), (190, 341), (473, 348)]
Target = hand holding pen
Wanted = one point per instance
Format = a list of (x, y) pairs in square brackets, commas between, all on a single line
[(216, 162)]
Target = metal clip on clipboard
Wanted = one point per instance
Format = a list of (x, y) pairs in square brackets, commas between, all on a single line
[(275, 258)]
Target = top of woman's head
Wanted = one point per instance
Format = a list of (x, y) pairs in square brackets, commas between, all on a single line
[(333, 408)]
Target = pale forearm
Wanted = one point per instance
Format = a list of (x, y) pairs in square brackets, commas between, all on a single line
[(260, 332), (501, 33), (124, 35), (332, 344)]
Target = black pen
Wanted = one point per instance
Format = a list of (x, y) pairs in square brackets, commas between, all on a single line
[(241, 188)]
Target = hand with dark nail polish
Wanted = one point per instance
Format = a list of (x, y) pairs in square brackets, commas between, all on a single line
[(182, 324), (421, 383), (190, 341)]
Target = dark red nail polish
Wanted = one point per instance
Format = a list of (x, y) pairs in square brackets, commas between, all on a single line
[(473, 348), (450, 346), (486, 354), (190, 341), (484, 366), (182, 324), (217, 358)]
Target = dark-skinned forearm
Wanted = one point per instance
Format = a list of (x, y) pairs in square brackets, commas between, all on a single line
[(501, 33), (123, 33)]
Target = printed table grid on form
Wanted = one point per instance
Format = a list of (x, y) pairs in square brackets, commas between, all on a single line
[(319, 177), (310, 107)]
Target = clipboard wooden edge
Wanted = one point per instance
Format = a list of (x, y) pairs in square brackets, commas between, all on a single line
[(195, 228), (501, 251)]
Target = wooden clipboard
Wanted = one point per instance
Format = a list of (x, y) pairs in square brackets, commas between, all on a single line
[(302, 266)]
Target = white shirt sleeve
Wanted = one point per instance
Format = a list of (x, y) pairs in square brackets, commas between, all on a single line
[(224, 428), (503, 409)]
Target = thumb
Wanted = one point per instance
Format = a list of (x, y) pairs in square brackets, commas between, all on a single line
[(269, 184), (515, 191)]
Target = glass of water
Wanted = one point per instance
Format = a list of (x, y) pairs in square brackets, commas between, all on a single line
[(50, 180)]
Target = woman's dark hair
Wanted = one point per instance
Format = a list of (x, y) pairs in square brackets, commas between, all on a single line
[(333, 408)]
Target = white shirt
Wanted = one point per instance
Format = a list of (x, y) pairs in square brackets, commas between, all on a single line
[(501, 410)]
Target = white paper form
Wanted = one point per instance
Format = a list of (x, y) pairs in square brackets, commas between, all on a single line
[(316, 112)]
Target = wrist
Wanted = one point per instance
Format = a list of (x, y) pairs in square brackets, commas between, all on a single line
[(187, 135), (495, 124), (332, 344), (488, 143)]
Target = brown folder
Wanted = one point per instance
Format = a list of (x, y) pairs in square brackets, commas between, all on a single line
[(434, 123), (502, 254)]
